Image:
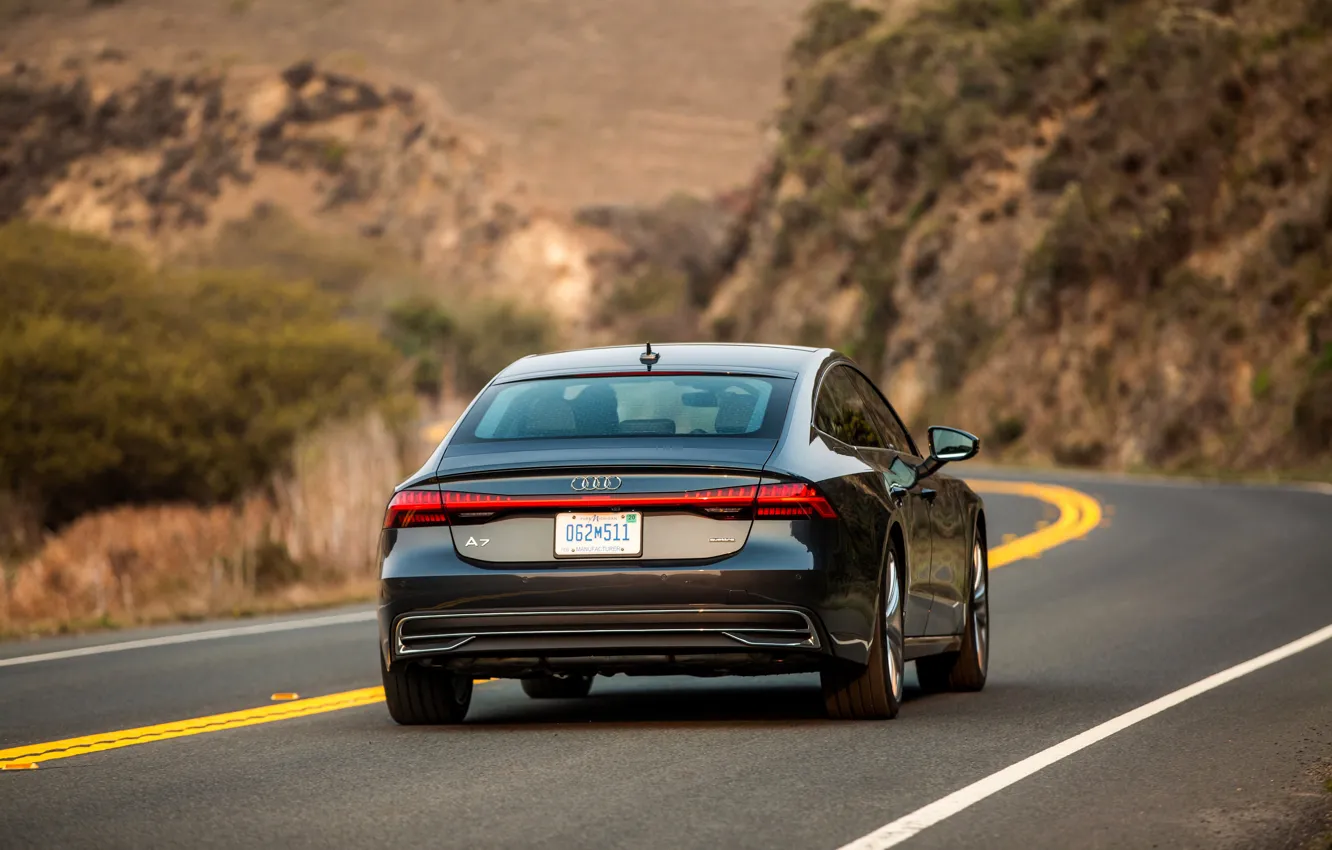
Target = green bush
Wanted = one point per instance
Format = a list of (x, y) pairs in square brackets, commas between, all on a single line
[(1261, 385), (121, 384), (271, 240), (1313, 412), (493, 334), (477, 339), (419, 326), (1064, 258), (1006, 431), (831, 23)]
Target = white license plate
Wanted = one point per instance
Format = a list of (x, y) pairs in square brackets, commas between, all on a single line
[(598, 535)]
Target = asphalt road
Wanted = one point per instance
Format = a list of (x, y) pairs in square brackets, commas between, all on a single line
[(1178, 583)]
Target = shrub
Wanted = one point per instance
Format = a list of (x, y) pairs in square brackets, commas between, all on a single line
[(273, 241), (1313, 411), (1006, 431), (118, 384), (478, 340), (1065, 256), (1261, 385), (829, 24)]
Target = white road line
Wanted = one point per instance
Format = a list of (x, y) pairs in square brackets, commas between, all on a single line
[(192, 637), (909, 825)]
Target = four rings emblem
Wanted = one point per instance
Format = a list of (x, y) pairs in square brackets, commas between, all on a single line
[(596, 482)]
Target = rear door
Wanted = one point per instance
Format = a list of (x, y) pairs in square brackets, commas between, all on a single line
[(586, 470), (847, 409), (948, 578), (942, 504)]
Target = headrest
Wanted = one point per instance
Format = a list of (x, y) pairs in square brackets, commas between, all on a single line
[(734, 410)]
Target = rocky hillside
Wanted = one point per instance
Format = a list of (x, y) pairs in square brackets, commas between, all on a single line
[(1095, 232), (172, 155), (600, 101)]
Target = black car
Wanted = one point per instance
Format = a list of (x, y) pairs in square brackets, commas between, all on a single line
[(700, 509)]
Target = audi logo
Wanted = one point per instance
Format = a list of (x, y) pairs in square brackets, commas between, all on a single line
[(596, 482)]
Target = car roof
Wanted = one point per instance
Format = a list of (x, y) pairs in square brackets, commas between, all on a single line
[(710, 356)]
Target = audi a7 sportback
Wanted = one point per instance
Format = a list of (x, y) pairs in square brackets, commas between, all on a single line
[(704, 509)]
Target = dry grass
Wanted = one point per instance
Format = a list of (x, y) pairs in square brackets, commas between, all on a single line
[(309, 541), (329, 511)]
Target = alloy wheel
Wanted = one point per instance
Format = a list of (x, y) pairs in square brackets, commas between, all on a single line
[(892, 628), (980, 606)]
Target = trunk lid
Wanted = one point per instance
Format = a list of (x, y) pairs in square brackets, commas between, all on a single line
[(574, 503)]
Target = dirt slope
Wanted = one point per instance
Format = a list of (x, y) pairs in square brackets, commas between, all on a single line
[(596, 101)]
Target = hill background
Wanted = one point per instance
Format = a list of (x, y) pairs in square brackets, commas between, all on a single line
[(1099, 233), (595, 101)]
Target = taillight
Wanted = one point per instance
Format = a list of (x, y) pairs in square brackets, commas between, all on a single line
[(722, 502), (412, 508), (779, 501)]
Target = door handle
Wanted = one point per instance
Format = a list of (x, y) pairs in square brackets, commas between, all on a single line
[(897, 493), (929, 495)]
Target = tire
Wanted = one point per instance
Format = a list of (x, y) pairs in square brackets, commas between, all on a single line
[(873, 692), (965, 670), (422, 695), (557, 687)]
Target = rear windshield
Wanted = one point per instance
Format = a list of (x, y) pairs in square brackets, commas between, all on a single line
[(630, 406)]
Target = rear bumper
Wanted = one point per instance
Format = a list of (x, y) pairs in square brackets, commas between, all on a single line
[(752, 613), (610, 640), (596, 631)]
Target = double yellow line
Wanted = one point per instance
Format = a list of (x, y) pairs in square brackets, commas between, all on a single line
[(1078, 515), (32, 754)]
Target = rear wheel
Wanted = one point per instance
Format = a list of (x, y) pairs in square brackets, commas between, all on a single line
[(966, 670), (558, 687), (421, 695), (873, 692)]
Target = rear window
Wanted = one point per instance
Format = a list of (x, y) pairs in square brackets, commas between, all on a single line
[(630, 406)]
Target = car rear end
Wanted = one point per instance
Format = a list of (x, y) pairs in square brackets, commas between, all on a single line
[(609, 523)]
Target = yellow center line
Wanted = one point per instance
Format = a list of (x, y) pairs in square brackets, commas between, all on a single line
[(51, 750), (1078, 515)]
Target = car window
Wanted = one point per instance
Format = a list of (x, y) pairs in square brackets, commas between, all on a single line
[(900, 432), (629, 406), (883, 417), (841, 411)]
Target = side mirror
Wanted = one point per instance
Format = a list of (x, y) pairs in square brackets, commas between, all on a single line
[(947, 445), (950, 445)]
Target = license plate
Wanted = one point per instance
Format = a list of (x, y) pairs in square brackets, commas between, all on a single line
[(598, 535)]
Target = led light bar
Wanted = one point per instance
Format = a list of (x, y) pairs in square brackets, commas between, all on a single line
[(413, 508)]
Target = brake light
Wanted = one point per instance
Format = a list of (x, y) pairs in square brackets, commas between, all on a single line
[(777, 501), (415, 508), (721, 500), (412, 508)]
